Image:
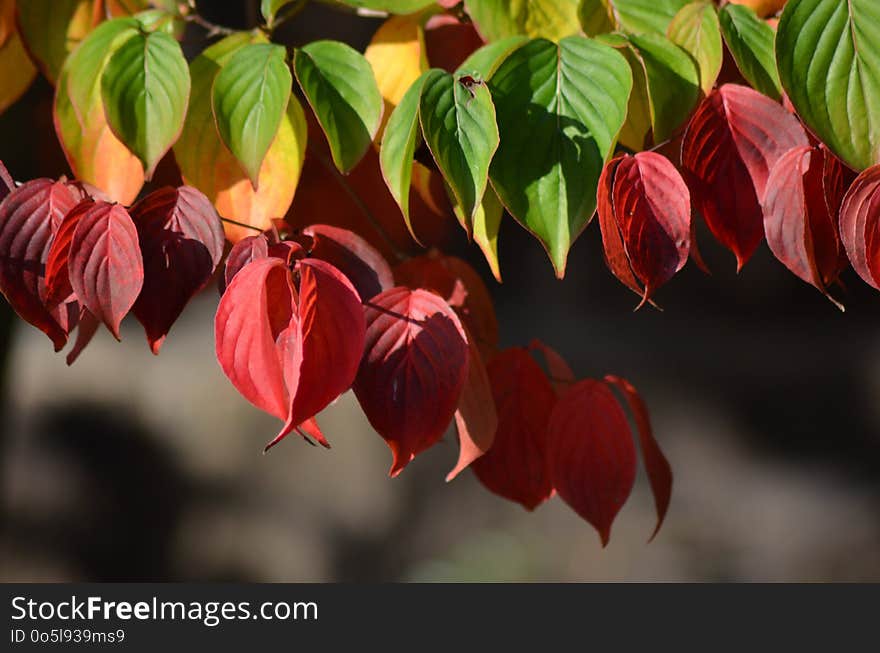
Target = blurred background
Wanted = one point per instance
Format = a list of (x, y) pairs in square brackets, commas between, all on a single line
[(765, 398)]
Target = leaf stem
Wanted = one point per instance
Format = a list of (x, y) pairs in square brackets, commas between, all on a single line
[(241, 224), (368, 214), (213, 29)]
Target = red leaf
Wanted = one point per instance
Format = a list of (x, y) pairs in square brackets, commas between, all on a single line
[(645, 218), (243, 252), (290, 353), (448, 41), (476, 418), (591, 455), (182, 242), (29, 216), (58, 288), (516, 465), (87, 327), (413, 370), (362, 263), (731, 143), (800, 206), (860, 225), (462, 288), (656, 465), (560, 373), (7, 185), (105, 265)]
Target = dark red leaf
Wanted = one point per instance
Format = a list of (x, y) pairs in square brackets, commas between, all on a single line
[(656, 465), (58, 288), (413, 370), (7, 184), (732, 142), (462, 288), (290, 352), (243, 252), (516, 465), (645, 218), (181, 240), (800, 206), (591, 455), (860, 225), (87, 327), (105, 265), (29, 216), (362, 263), (559, 371), (476, 418), (448, 41)]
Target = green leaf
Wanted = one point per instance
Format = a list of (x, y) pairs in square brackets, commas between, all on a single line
[(145, 90), (632, 16), (391, 6), (458, 124), (399, 145), (486, 225), (249, 99), (750, 41), (486, 59), (560, 108), (271, 8), (695, 29), (549, 19), (672, 82), (828, 56), (339, 84)]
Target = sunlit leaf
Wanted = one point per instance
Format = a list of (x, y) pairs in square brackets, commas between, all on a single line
[(631, 16), (750, 41), (549, 19), (695, 28)]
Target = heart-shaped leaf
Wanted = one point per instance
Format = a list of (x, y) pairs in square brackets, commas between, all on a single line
[(828, 56), (860, 225), (93, 151), (414, 367), (249, 99), (105, 265), (560, 108), (801, 205), (695, 28), (182, 243), (750, 41), (549, 19), (208, 165), (29, 216), (359, 261), (732, 142), (458, 124), (631, 16), (590, 454), (516, 465), (342, 91), (145, 89)]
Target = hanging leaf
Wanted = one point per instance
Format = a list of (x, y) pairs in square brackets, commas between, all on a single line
[(750, 41), (247, 249), (656, 465), (29, 216), (631, 16), (828, 56), (804, 192), (554, 141), (16, 71), (449, 41), (182, 242), (590, 454), (249, 99), (732, 142), (271, 9), (860, 225), (645, 215), (549, 19), (207, 164), (413, 371), (558, 371), (696, 29), (458, 124), (486, 225), (93, 152), (341, 89), (86, 328), (145, 89), (53, 28), (105, 265), (359, 261), (516, 465), (399, 145), (58, 288), (476, 419)]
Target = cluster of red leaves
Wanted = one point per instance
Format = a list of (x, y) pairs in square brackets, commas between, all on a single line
[(751, 170), (303, 319), (69, 258)]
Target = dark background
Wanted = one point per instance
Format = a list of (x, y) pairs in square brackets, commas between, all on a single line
[(764, 396)]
